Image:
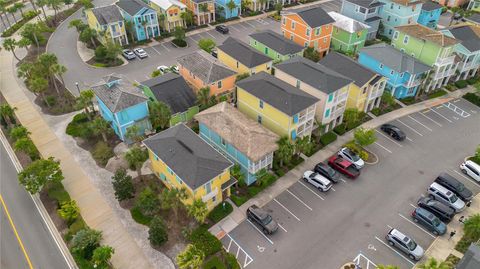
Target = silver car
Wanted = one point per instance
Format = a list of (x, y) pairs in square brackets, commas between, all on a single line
[(402, 242), (317, 180), (128, 54), (141, 53), (445, 196)]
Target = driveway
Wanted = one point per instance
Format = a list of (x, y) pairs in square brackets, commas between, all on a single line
[(330, 229)]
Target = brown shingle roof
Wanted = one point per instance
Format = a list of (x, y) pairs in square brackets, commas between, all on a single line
[(406, 2), (427, 34)]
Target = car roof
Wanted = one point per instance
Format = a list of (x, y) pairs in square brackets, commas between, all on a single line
[(258, 211), (425, 213), (398, 234), (322, 178), (343, 162), (473, 164), (441, 188)]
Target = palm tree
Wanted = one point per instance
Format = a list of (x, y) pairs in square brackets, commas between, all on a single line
[(135, 158), (55, 5), (203, 96), (49, 61), (191, 258), (198, 210), (10, 45), (231, 6), (3, 11), (7, 113), (101, 127), (20, 6), (204, 9), (172, 199), (25, 70), (39, 86), (245, 4), (285, 150), (432, 263), (130, 26), (12, 11), (88, 34), (187, 16), (59, 70), (42, 4), (85, 99)]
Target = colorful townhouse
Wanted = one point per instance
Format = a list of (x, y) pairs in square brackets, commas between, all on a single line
[(224, 9), (143, 17), (348, 35), (107, 20), (398, 12), (182, 160), (275, 46), (169, 13), (365, 11), (432, 48), (277, 105), (122, 105), (242, 140), (468, 49), (242, 58), (404, 73), (367, 88), (258, 5), (201, 70), (453, 3), (430, 14), (474, 5), (173, 90), (203, 10), (329, 87), (308, 27)]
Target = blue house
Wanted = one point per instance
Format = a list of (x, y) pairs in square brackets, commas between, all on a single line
[(397, 13), (242, 140), (123, 105), (430, 14), (366, 11), (226, 12), (143, 17), (404, 73)]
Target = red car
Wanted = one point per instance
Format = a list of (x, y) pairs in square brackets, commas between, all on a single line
[(343, 166)]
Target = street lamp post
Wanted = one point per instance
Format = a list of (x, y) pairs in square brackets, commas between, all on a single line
[(78, 88)]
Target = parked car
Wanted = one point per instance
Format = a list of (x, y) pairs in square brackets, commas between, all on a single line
[(175, 69), (404, 243), (261, 218), (222, 29), (128, 54), (140, 53), (445, 196), (393, 131), (455, 186), (163, 68), (442, 211), (472, 169), (214, 53), (328, 172), (317, 180), (429, 220), (343, 166), (352, 157)]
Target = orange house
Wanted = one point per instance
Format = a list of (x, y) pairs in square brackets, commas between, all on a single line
[(202, 70), (308, 27), (452, 3), (203, 10)]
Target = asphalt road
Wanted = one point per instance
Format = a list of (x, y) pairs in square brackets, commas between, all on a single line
[(32, 231), (326, 230)]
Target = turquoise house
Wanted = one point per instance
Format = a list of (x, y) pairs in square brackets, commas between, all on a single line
[(404, 73), (430, 14), (123, 105), (397, 13), (143, 17), (224, 11), (242, 140)]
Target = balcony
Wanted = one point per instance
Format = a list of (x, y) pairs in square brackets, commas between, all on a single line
[(468, 65), (210, 195), (445, 73), (445, 61), (412, 83)]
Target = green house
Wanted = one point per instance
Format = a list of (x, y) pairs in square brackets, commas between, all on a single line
[(348, 35), (174, 91), (275, 46)]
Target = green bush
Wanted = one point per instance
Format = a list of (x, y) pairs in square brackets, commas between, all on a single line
[(340, 129), (157, 234), (102, 152), (79, 127), (214, 263), (238, 200), (179, 43), (408, 100), (436, 94), (205, 241), (472, 81), (376, 111), (328, 138), (231, 261), (220, 211), (139, 217), (26, 18), (473, 98), (461, 84), (57, 192), (76, 226)]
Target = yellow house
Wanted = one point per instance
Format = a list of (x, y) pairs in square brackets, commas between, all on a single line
[(242, 58), (280, 107), (169, 13), (109, 24), (181, 159)]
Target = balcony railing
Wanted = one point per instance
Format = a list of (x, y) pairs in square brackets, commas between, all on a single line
[(413, 83), (445, 73), (210, 195), (445, 61)]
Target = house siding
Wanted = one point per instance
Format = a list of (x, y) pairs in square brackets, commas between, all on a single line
[(346, 42), (430, 18), (228, 84), (242, 69), (394, 15), (276, 56), (353, 11)]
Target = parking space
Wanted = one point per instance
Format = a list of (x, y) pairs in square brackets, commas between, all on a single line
[(230, 245)]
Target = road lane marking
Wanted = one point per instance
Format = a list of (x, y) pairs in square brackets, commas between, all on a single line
[(19, 240), (447, 119), (318, 195), (256, 228), (395, 142), (423, 114), (210, 35), (418, 226), (426, 127), (156, 50), (286, 209), (298, 199), (378, 144), (409, 127), (394, 250), (253, 26), (279, 225), (163, 45)]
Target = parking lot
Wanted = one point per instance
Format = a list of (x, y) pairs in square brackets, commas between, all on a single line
[(326, 230)]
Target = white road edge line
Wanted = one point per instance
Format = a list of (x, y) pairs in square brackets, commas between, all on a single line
[(441, 115), (409, 127), (275, 199), (418, 226), (398, 253), (423, 114), (258, 230), (318, 195), (426, 127), (298, 199), (378, 144), (395, 142), (285, 230)]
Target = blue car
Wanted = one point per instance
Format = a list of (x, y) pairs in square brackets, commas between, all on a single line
[(429, 220)]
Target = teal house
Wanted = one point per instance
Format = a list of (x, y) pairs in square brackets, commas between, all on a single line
[(122, 105), (275, 45), (242, 140), (348, 35), (226, 11), (143, 17), (398, 12), (430, 14)]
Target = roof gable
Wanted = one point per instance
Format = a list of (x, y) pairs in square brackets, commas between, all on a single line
[(206, 67), (424, 33), (312, 16), (107, 14)]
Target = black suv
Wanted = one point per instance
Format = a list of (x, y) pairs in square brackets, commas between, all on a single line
[(222, 29), (328, 172), (442, 211), (455, 186), (261, 218)]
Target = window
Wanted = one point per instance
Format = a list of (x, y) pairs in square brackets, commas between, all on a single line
[(388, 18), (363, 10), (381, 66), (391, 72), (208, 187), (295, 119), (298, 83), (163, 177), (179, 181), (139, 19), (255, 42), (330, 97), (306, 44), (214, 198), (364, 90), (317, 31), (395, 35), (259, 119), (308, 31), (237, 64), (291, 37), (390, 31), (284, 20), (266, 50), (405, 39), (372, 10), (223, 141), (120, 24), (327, 113), (402, 50), (401, 75), (391, 6), (219, 84), (169, 170), (294, 134), (293, 25), (324, 40), (260, 104)]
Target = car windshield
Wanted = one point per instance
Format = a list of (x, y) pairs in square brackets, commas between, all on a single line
[(453, 198), (460, 187), (353, 155), (411, 245), (436, 222), (352, 169), (330, 171), (267, 219)]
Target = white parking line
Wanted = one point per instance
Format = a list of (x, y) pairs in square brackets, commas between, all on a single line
[(298, 199), (426, 127), (246, 28), (256, 228), (210, 35), (311, 190), (409, 139), (147, 77), (389, 226), (253, 26), (333, 189), (387, 137), (156, 50), (467, 178), (394, 250), (248, 259), (234, 28), (343, 180), (194, 41), (413, 206), (163, 45), (229, 245), (416, 225), (285, 230), (286, 209), (409, 127), (441, 115), (378, 144), (423, 114)]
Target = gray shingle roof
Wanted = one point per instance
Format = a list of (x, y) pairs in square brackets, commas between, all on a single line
[(204, 66), (395, 59), (277, 42), (366, 3), (119, 95), (277, 93), (187, 155), (346, 23), (313, 16), (430, 6), (475, 18), (173, 90), (132, 7), (348, 67), (469, 35), (107, 14), (471, 259), (315, 75), (243, 53)]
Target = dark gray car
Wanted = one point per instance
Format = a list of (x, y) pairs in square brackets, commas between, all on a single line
[(261, 218)]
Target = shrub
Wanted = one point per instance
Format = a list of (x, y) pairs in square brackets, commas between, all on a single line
[(340, 129), (57, 192), (461, 84), (436, 94), (376, 111), (122, 185), (86, 241), (214, 263), (358, 150), (18, 132), (69, 211), (179, 43), (328, 138), (220, 211), (473, 98), (472, 81), (148, 202), (157, 234), (231, 261), (205, 241), (77, 225), (50, 100), (139, 217), (238, 200), (102, 152), (79, 126)]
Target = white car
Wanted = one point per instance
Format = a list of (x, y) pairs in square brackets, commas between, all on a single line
[(163, 68), (352, 157), (175, 69), (317, 180), (472, 169), (128, 54), (140, 53)]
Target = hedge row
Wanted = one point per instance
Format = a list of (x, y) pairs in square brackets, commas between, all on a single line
[(29, 15)]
